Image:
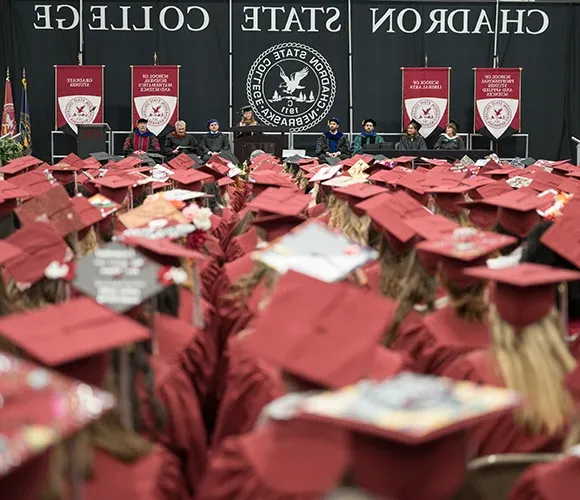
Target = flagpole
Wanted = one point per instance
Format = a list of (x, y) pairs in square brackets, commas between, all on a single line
[(81, 33), (496, 36)]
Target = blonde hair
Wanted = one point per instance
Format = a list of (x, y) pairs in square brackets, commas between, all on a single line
[(241, 291), (418, 286), (462, 218), (393, 266), (534, 363), (336, 208), (347, 222)]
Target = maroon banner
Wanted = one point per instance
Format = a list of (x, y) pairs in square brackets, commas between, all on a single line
[(426, 98), (78, 96), (497, 97), (155, 96)]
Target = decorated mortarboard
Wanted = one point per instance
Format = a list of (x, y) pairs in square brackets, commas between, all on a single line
[(314, 250), (280, 201), (155, 209), (179, 195), (41, 408), (525, 293), (161, 173), (313, 340), (104, 204), (118, 277), (519, 181), (42, 248), (159, 229), (34, 183), (410, 409), (342, 181), (54, 206)]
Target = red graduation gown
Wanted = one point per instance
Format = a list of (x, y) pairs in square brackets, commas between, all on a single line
[(247, 385), (241, 245), (502, 434), (558, 480), (154, 477)]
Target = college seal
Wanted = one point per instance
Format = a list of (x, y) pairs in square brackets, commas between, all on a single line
[(497, 114), (291, 85)]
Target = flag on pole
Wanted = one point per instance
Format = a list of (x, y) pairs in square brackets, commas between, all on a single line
[(8, 125), (25, 117)]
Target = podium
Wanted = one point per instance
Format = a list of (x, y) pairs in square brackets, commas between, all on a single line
[(248, 139), (92, 138)]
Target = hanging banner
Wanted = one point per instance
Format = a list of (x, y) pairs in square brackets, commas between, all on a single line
[(155, 96), (78, 96), (426, 98), (497, 102)]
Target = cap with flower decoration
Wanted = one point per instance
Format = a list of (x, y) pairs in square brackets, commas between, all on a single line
[(525, 293), (464, 247), (316, 251), (41, 248)]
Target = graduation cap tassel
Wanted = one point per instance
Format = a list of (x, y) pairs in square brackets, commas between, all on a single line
[(125, 389), (197, 313), (426, 60), (154, 58), (154, 344), (75, 477)]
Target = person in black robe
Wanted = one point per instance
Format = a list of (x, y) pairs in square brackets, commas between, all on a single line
[(450, 140), (412, 140), (180, 141), (333, 143), (214, 141)]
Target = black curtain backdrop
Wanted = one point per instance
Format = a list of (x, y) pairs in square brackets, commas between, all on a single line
[(551, 60)]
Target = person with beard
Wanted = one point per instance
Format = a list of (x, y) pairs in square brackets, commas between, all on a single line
[(412, 140), (333, 143), (179, 141), (141, 141), (214, 141), (367, 136)]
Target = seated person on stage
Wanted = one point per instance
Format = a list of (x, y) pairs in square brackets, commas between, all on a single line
[(412, 140), (179, 141), (449, 139), (214, 141), (333, 143), (367, 136), (141, 141)]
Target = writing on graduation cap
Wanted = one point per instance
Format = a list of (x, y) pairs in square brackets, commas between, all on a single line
[(295, 19)]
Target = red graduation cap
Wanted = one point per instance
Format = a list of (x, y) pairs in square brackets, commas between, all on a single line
[(40, 245), (282, 201), (191, 179), (34, 183), (276, 226), (563, 237), (314, 322), (517, 210), (55, 206), (181, 162), (525, 293)]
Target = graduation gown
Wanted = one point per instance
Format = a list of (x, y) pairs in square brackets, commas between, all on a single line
[(154, 477), (502, 434), (172, 141), (406, 142), (444, 338), (558, 480), (214, 143), (447, 143)]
